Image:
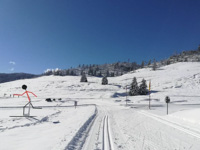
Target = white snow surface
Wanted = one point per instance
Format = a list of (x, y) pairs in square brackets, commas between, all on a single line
[(129, 127)]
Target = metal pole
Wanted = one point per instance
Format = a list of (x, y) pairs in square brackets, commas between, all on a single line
[(149, 100), (167, 108), (149, 94), (126, 95), (126, 92)]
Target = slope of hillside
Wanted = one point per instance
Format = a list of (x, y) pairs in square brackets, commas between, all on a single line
[(179, 81)]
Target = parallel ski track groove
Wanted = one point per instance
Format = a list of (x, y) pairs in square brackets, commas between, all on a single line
[(103, 138), (106, 134)]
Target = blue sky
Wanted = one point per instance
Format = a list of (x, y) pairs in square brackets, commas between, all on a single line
[(41, 34)]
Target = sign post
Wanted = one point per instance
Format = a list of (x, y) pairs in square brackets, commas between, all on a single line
[(126, 95), (75, 104), (167, 100), (149, 94)]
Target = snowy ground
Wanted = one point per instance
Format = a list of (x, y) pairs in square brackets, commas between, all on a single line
[(116, 125)]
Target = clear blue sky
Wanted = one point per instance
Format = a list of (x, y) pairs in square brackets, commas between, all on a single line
[(39, 34)]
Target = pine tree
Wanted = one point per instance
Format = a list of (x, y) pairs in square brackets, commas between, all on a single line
[(83, 66), (142, 64), (112, 74), (83, 78), (72, 73), (154, 65), (95, 73), (168, 62), (90, 71), (117, 73), (67, 72), (186, 59), (107, 73), (143, 88), (149, 63), (99, 74), (104, 81), (134, 90), (82, 72)]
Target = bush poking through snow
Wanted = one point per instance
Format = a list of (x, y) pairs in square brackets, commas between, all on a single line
[(104, 81), (48, 100), (83, 78)]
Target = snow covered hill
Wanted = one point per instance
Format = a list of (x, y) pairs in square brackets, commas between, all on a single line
[(134, 126)]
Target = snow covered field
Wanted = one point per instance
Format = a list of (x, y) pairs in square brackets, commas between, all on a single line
[(116, 124)]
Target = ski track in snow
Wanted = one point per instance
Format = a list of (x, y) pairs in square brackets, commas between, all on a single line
[(79, 139), (106, 140), (167, 122), (35, 121)]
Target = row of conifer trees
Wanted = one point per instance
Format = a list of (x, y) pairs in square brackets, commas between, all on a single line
[(138, 90), (84, 79), (134, 89)]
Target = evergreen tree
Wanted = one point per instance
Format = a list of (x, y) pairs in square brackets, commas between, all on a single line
[(72, 73), (107, 73), (95, 73), (67, 72), (142, 64), (117, 73), (133, 66), (134, 90), (154, 65), (116, 65), (48, 72), (168, 62), (90, 71), (82, 72), (99, 74), (84, 78), (104, 81), (143, 88), (83, 66), (97, 68), (112, 74), (149, 63), (186, 59)]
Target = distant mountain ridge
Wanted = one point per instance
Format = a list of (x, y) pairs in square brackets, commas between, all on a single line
[(7, 77)]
